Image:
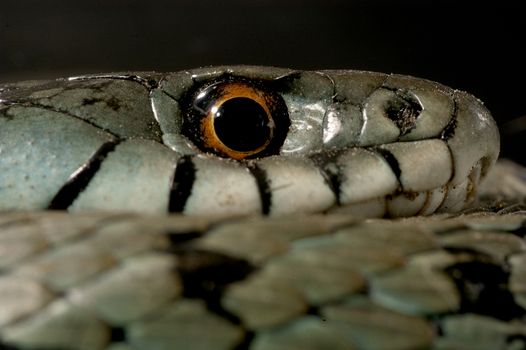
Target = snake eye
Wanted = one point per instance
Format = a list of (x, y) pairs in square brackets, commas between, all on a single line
[(237, 119)]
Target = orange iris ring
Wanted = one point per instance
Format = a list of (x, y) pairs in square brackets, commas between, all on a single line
[(231, 91)]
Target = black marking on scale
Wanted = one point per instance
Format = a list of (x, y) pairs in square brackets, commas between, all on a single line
[(206, 274), (449, 130), (117, 334), (391, 160), (183, 182), (483, 285), (178, 239), (327, 164), (80, 179), (265, 193)]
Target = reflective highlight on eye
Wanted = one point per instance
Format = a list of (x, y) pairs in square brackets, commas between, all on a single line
[(237, 119)]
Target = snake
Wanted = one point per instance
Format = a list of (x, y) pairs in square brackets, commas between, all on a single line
[(248, 207)]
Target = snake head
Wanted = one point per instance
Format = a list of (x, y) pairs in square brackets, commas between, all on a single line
[(243, 140)]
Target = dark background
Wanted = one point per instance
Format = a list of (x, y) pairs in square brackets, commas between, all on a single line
[(474, 47)]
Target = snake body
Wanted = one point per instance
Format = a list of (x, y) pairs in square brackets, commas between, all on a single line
[(120, 151)]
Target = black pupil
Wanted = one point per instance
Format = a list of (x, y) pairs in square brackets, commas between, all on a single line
[(242, 124)]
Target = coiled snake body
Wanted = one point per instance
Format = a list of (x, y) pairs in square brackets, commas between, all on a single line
[(268, 174)]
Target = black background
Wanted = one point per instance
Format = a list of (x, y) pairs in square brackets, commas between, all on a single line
[(474, 46)]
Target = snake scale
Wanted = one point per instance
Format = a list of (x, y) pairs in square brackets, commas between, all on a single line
[(268, 176)]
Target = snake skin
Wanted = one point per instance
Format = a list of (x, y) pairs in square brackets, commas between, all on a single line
[(125, 281), (144, 280)]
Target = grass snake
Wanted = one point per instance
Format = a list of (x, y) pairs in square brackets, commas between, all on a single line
[(268, 176)]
